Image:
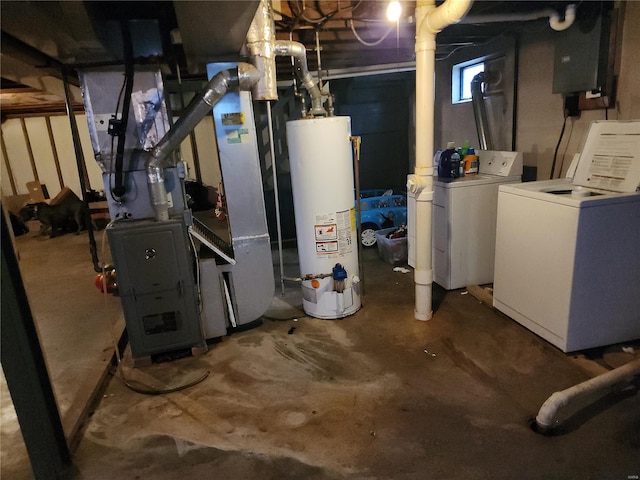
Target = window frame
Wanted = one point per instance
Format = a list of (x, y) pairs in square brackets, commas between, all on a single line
[(457, 78)]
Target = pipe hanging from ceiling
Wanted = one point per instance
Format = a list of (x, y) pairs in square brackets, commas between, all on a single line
[(553, 16), (263, 48), (260, 43), (429, 21), (569, 18), (287, 48)]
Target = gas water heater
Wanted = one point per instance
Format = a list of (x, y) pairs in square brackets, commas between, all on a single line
[(320, 156)]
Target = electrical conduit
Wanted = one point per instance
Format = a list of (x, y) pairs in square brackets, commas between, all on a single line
[(429, 21)]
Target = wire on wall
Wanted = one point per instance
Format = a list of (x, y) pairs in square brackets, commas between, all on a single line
[(555, 154)]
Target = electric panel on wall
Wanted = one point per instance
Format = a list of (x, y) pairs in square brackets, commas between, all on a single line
[(582, 51)]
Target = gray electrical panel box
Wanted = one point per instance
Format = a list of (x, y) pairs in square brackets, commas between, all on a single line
[(581, 56), (156, 284)]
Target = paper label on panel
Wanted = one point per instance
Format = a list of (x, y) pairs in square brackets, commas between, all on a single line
[(333, 233)]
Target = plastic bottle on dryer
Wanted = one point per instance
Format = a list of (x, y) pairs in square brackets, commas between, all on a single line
[(457, 167), (436, 159), (464, 149), (445, 167), (471, 162)]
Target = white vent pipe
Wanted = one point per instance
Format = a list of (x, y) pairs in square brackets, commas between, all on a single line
[(429, 21), (569, 18), (554, 18), (590, 391)]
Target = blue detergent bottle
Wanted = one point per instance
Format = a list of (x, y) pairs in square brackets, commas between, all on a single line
[(445, 167), (456, 165)]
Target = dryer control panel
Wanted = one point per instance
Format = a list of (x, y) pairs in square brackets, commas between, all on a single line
[(499, 163)]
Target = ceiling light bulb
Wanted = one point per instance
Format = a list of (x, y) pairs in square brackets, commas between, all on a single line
[(393, 11)]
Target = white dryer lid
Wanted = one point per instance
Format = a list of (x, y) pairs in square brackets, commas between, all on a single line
[(610, 158)]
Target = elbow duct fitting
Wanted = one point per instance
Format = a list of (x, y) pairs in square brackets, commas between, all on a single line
[(287, 48), (158, 192), (245, 76)]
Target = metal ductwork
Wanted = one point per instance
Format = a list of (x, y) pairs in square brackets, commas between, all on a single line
[(287, 48), (480, 111), (261, 39), (263, 48), (245, 76)]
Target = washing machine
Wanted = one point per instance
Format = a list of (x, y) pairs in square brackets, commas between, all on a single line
[(464, 220), (567, 261)]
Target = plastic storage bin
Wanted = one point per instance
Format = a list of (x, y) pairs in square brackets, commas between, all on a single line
[(391, 250)]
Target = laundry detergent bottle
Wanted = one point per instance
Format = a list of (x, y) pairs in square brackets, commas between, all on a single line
[(445, 167), (471, 162)]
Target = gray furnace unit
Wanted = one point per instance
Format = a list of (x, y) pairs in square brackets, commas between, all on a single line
[(180, 281)]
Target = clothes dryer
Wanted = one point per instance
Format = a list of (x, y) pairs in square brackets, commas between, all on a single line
[(464, 220)]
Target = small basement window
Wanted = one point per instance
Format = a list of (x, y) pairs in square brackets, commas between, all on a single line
[(462, 75)]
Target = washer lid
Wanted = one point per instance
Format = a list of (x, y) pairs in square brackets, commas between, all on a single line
[(610, 158)]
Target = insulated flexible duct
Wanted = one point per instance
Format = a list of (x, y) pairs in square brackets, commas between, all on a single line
[(261, 39)]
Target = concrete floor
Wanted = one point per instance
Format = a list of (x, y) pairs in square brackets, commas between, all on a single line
[(377, 395)]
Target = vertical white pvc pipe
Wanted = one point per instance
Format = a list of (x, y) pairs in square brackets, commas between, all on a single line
[(429, 21)]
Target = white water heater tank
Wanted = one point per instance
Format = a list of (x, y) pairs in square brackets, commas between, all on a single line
[(320, 157)]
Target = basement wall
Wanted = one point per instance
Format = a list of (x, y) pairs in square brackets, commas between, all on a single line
[(539, 119), (29, 153), (539, 112)]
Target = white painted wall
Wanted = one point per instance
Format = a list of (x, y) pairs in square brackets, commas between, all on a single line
[(17, 155), (540, 112)]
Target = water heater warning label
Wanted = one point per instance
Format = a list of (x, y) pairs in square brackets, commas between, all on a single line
[(333, 233), (326, 232), (326, 247)]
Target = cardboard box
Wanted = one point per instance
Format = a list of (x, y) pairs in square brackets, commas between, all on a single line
[(393, 251)]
